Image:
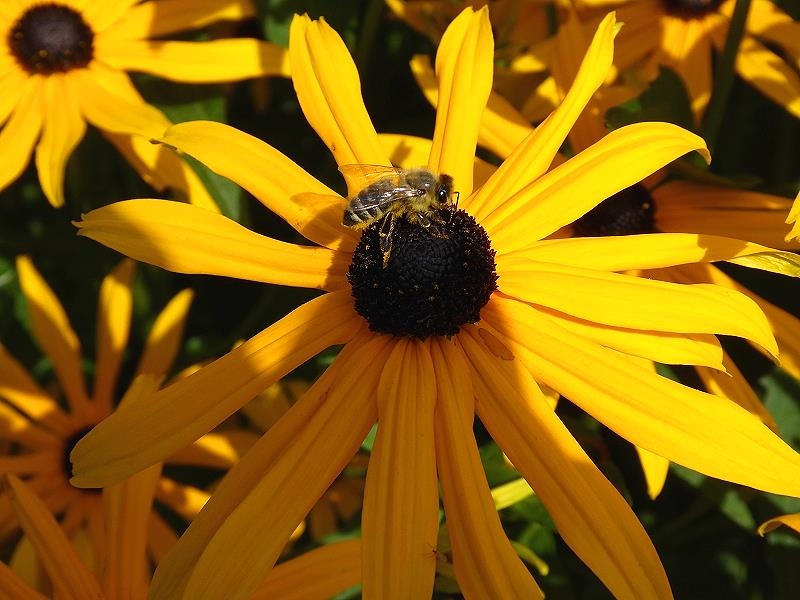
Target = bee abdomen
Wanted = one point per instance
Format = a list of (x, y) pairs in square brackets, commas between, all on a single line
[(356, 215)]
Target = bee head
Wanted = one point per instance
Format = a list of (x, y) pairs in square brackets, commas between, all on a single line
[(444, 188)]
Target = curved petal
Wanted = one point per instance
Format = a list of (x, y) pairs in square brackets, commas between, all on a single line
[(54, 335), (531, 159), (791, 521), (62, 130), (320, 573), (485, 563), (623, 157), (19, 134), (164, 339), (309, 206), (13, 82), (113, 326), (766, 21), (184, 500), (156, 19), (186, 239), (142, 434), (630, 252), (794, 220), (216, 450), (69, 575), (248, 514), (400, 518), (109, 102), (703, 432), (591, 516), (215, 61), (464, 71), (13, 586), (638, 303), (769, 74), (162, 169), (655, 469), (328, 89)]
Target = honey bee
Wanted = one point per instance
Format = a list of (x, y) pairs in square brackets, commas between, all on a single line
[(387, 193)]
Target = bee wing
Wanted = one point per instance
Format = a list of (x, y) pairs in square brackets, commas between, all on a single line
[(388, 197), (358, 176)]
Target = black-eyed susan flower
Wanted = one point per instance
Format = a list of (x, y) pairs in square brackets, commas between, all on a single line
[(320, 573), (44, 423), (64, 63), (682, 35), (478, 319)]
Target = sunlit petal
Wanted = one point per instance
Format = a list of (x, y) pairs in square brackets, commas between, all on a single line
[(464, 72), (249, 514), (485, 562), (396, 544), (186, 239), (309, 206), (214, 61), (589, 513), (623, 157), (19, 134), (138, 436), (655, 469), (329, 91), (216, 450), (703, 432), (164, 339)]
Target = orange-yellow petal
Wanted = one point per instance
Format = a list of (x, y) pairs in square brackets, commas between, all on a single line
[(309, 206), (399, 520), (12, 586), (186, 239), (138, 436), (164, 339), (464, 72), (20, 132), (791, 521), (329, 91), (216, 450), (655, 469), (485, 563), (589, 513), (248, 514), (214, 61)]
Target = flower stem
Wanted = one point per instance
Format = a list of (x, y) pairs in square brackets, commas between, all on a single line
[(725, 71)]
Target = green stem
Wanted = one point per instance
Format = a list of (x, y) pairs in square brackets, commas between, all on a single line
[(725, 71), (369, 29)]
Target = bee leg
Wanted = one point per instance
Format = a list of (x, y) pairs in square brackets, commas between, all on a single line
[(385, 237), (423, 220), (455, 207)]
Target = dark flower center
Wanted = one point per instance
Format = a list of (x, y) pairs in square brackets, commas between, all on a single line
[(627, 212), (436, 279), (51, 38), (69, 444), (689, 9)]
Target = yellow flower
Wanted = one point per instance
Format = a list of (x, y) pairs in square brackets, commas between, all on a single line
[(458, 357), (681, 34), (319, 574), (64, 63), (43, 433)]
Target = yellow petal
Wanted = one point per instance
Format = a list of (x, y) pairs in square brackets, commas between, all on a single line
[(263, 498), (63, 129), (700, 431), (320, 573), (399, 521), (14, 81), (113, 325), (329, 91), (156, 19), (281, 185), (620, 159), (12, 586), (184, 500), (54, 335), (686, 46), (20, 132), (138, 436), (127, 508), (630, 252), (186, 239), (109, 101), (531, 159), (638, 303), (70, 577), (659, 346), (99, 14), (163, 169), (21, 391), (655, 470), (591, 516), (214, 61), (216, 450), (791, 521), (164, 339), (464, 71), (485, 563)]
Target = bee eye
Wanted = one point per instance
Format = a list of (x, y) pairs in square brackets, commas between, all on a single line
[(441, 194)]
